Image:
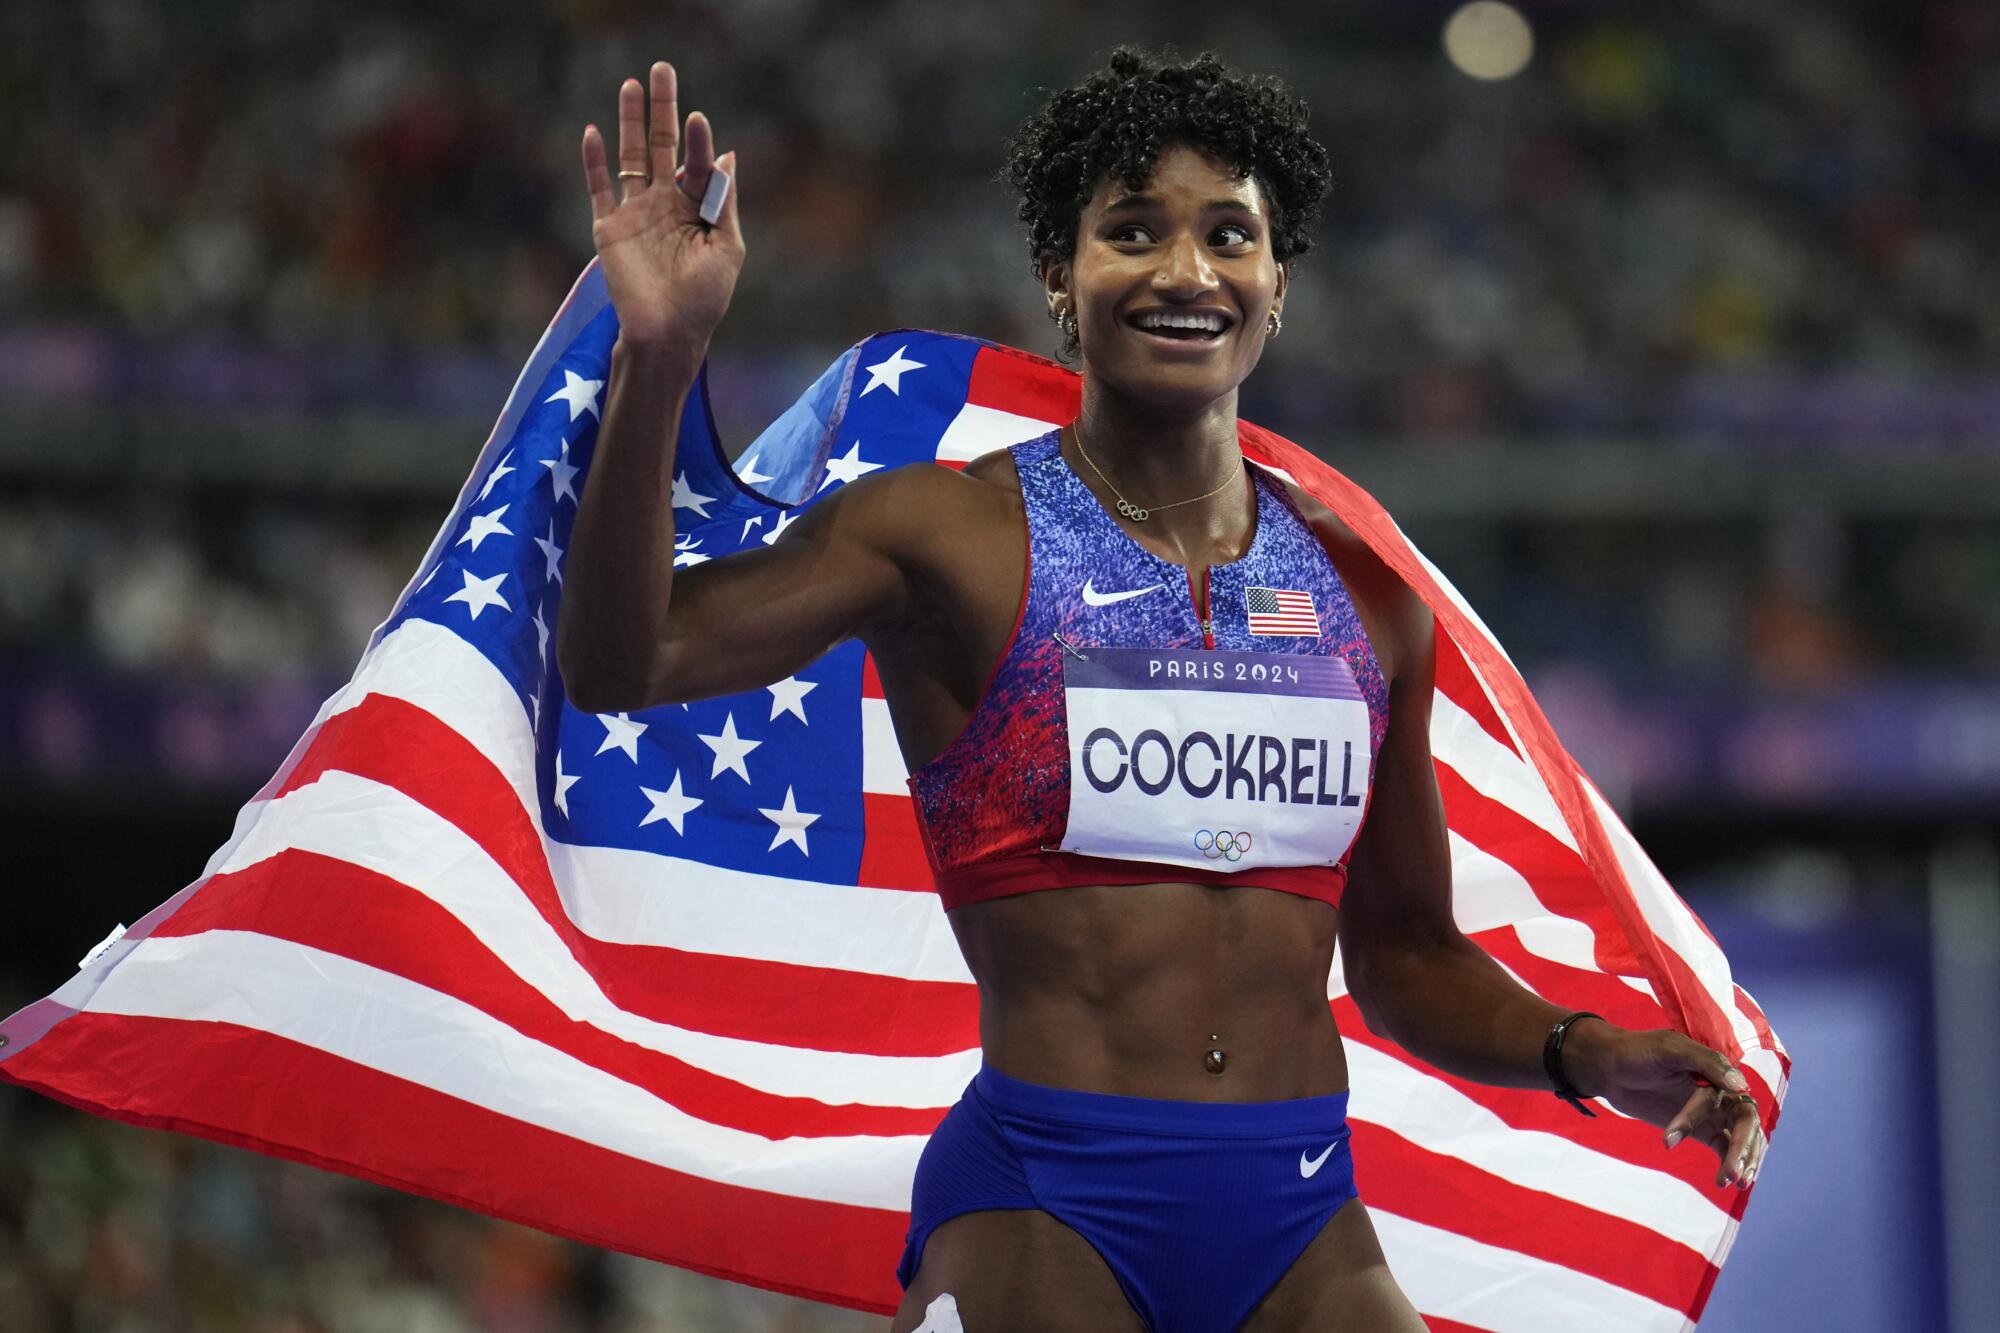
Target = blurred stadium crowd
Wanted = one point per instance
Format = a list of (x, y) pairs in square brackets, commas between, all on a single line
[(1762, 229)]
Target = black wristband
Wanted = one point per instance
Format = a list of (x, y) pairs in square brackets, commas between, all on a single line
[(1552, 1062)]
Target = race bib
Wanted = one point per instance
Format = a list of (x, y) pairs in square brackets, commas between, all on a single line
[(1211, 758)]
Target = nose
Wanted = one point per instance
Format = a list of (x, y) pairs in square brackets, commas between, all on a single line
[(1184, 270)]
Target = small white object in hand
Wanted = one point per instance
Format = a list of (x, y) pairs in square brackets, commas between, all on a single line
[(713, 198)]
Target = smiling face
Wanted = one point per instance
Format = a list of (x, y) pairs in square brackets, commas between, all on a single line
[(1172, 284)]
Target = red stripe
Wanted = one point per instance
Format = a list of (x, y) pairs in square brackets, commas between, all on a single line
[(1457, 683), (1615, 1136), (871, 683), (343, 909), (253, 1090), (1403, 1178), (1554, 872), (399, 744), (1010, 380), (892, 850), (1439, 1324)]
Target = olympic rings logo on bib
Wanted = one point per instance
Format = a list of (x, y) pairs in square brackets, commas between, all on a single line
[(1226, 845)]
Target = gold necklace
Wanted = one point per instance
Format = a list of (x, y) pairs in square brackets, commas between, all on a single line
[(1134, 512)]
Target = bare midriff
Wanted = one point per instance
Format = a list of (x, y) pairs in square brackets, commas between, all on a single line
[(1133, 988)]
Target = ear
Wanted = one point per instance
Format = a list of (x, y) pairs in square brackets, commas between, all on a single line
[(1056, 282), (1284, 280)]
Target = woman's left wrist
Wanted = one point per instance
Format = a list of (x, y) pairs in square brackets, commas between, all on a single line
[(1586, 1051)]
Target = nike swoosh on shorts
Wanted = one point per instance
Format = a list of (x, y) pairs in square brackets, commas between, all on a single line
[(1309, 1166), (1092, 597)]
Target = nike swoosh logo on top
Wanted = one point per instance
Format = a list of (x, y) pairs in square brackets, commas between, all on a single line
[(1092, 597), (1309, 1166)]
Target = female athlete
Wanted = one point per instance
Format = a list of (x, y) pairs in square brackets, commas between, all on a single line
[(1157, 1138)]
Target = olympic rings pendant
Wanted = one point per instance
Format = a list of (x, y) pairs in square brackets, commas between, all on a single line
[(1225, 844), (1133, 512)]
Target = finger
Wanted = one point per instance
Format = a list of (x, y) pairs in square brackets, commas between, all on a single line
[(1715, 1068), (597, 175), (1689, 1116), (631, 138), (698, 148), (664, 139), (1737, 1144)]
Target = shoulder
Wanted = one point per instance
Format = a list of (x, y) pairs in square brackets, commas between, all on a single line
[(1400, 626), (905, 510)]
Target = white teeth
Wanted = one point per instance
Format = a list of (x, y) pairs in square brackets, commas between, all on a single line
[(1162, 319)]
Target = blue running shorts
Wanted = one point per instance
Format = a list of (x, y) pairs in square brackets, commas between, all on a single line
[(1197, 1207)]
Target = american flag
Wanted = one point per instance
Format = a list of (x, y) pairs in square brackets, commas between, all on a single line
[(674, 983), (1281, 611)]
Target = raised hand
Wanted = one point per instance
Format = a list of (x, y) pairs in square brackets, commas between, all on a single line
[(670, 273), (1676, 1082)]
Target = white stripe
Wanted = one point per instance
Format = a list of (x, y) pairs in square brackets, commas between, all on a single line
[(1438, 1118), (387, 1023), (1454, 1277), (980, 430), (627, 897), (1493, 770), (882, 769), (375, 826), (1487, 893), (1672, 923)]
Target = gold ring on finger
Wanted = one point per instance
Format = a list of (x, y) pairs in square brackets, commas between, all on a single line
[(640, 174)]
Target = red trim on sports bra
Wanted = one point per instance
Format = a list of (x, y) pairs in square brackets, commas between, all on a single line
[(1062, 870)]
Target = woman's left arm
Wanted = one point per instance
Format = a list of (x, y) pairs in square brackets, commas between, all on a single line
[(1420, 982)]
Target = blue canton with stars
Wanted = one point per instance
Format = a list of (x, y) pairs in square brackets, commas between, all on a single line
[(768, 780)]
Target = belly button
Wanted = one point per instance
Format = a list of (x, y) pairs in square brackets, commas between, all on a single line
[(1216, 1059)]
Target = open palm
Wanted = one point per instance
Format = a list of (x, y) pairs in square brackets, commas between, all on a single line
[(670, 273)]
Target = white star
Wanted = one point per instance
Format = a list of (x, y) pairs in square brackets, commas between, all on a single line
[(890, 372), (560, 472), (541, 637), (535, 701), (579, 393), (748, 524), (789, 696), (729, 749), (670, 805), (846, 469), (792, 824), (685, 549), (564, 781), (500, 470), (747, 473), (687, 497), (481, 593), (688, 558), (484, 526), (784, 521), (621, 733), (551, 552)]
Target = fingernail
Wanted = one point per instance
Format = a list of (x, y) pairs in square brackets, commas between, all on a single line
[(1675, 1136), (1735, 1082)]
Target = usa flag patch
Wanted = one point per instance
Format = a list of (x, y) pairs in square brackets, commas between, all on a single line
[(1281, 611)]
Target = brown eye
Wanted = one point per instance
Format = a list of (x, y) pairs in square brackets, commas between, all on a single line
[(1243, 236)]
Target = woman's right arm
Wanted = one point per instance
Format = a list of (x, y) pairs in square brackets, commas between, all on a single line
[(630, 633)]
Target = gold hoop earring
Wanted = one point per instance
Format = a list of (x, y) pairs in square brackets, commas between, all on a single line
[(1274, 325), (1067, 322)]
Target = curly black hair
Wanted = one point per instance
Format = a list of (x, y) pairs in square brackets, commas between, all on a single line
[(1121, 118)]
